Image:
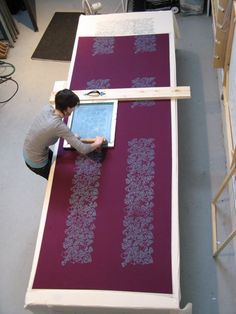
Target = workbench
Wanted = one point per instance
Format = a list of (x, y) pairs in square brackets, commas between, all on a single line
[(108, 240)]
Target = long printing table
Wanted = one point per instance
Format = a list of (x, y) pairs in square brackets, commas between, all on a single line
[(109, 234)]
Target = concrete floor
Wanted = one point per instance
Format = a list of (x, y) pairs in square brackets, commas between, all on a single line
[(208, 283)]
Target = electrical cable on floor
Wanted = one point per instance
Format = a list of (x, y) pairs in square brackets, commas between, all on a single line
[(17, 87), (7, 77)]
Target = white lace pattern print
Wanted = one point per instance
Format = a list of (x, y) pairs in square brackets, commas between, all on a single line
[(138, 211), (80, 226), (145, 43), (98, 83), (103, 46)]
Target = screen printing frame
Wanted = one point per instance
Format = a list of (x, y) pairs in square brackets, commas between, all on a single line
[(101, 301), (88, 137)]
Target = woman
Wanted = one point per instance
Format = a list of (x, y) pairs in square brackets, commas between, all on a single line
[(47, 128)]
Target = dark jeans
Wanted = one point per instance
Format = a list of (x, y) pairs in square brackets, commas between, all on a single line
[(44, 171)]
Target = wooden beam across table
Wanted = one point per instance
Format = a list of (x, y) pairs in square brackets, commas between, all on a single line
[(132, 94)]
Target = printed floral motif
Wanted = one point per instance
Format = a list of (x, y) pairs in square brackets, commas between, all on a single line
[(103, 46), (143, 82), (145, 43), (99, 83), (127, 27), (80, 226), (138, 212), (144, 103)]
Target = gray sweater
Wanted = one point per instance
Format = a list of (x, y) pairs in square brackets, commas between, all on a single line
[(46, 129)]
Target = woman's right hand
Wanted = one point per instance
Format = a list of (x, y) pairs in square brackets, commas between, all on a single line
[(98, 141)]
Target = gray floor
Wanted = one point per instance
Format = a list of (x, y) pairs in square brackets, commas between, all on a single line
[(208, 284)]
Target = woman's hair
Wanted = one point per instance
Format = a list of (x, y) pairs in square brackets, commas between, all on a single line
[(66, 98)]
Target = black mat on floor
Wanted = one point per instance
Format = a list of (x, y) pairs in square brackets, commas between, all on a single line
[(58, 40), (138, 5)]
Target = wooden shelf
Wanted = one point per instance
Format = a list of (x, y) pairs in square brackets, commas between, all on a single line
[(221, 11)]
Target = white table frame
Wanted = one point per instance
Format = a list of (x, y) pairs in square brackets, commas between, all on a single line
[(117, 302)]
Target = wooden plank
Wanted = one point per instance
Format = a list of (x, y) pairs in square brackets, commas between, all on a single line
[(222, 7), (221, 19), (227, 116), (215, 248), (224, 184), (219, 48), (214, 228), (233, 161), (132, 94), (225, 243), (229, 42)]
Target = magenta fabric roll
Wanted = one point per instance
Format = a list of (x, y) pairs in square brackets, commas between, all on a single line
[(108, 224)]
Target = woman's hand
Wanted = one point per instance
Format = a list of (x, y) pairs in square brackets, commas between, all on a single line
[(98, 142)]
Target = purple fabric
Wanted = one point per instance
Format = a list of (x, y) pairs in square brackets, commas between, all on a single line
[(124, 62), (108, 225)]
